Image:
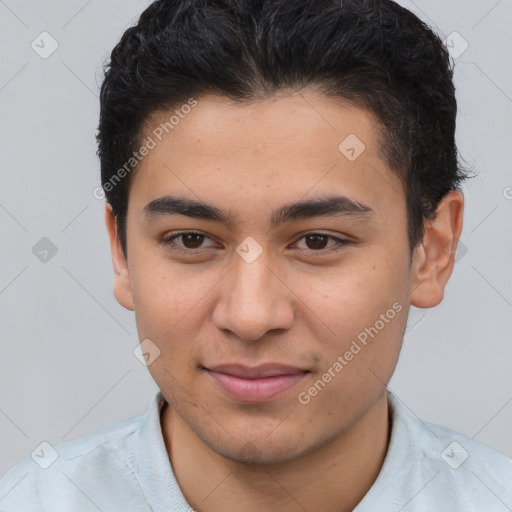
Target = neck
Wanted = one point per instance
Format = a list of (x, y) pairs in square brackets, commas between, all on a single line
[(334, 477)]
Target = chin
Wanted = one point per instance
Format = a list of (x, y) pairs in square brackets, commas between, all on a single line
[(251, 454), (261, 450)]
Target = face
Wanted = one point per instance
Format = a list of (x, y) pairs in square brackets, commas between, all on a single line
[(320, 294)]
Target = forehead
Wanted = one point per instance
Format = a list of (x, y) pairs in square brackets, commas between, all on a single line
[(285, 147), (301, 122)]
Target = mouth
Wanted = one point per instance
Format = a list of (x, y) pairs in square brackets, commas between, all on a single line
[(255, 385)]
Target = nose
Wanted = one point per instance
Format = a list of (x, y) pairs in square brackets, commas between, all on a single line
[(255, 299)]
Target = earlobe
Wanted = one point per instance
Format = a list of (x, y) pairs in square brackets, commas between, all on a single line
[(434, 258), (122, 285)]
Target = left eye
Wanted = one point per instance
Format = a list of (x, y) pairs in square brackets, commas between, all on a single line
[(318, 239), (192, 240)]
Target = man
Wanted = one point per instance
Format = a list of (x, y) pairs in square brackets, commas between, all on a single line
[(282, 184)]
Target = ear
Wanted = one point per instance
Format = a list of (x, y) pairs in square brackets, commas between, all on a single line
[(434, 257), (122, 287)]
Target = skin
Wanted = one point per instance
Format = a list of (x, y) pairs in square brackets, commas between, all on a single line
[(298, 303)]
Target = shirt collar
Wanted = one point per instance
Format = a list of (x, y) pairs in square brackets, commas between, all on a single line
[(399, 455), (155, 470)]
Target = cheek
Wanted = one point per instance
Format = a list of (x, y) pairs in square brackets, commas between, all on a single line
[(365, 308), (172, 307), (352, 296), (163, 294)]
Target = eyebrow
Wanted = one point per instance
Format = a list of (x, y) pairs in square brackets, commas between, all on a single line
[(317, 207)]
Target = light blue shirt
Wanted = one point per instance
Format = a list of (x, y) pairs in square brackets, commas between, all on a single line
[(125, 467)]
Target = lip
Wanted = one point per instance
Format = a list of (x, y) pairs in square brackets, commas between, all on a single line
[(255, 385)]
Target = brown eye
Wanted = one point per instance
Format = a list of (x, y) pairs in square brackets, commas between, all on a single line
[(185, 241), (192, 240), (316, 241)]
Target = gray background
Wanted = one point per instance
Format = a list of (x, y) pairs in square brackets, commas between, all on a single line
[(67, 365)]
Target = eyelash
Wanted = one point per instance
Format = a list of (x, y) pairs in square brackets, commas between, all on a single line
[(168, 242)]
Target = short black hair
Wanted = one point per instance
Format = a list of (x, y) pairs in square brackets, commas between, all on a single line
[(375, 54)]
